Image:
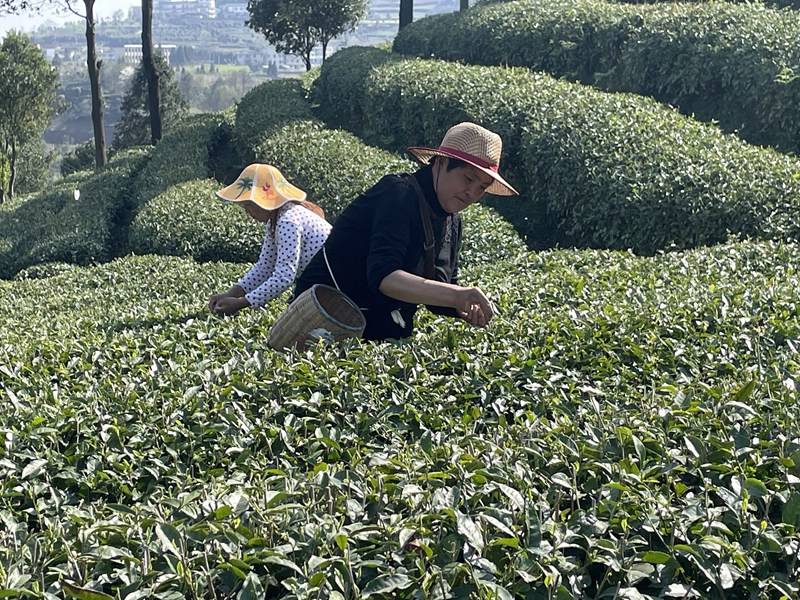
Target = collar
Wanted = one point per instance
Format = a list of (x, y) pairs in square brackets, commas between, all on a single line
[(425, 179)]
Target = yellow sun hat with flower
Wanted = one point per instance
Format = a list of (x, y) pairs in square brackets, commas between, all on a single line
[(264, 185)]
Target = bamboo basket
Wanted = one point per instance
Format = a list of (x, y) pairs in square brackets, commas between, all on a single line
[(320, 310)]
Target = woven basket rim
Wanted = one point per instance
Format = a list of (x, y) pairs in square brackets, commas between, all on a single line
[(347, 327)]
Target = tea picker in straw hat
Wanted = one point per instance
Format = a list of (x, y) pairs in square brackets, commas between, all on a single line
[(295, 230), (396, 246)]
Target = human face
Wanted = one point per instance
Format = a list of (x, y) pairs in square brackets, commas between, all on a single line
[(459, 188), (256, 212)]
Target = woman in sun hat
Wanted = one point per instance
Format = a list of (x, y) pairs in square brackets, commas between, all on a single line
[(295, 230), (379, 253)]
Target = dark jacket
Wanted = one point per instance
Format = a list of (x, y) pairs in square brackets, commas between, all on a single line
[(378, 233)]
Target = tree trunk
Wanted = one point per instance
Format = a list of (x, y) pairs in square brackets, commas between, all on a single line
[(406, 12), (153, 92), (324, 50), (464, 5), (94, 81), (12, 169)]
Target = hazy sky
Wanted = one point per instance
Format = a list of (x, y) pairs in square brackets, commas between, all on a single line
[(29, 21)]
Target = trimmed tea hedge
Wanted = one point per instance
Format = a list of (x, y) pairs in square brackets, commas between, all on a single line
[(626, 428), (189, 220), (196, 148), (606, 170), (53, 226), (735, 64), (333, 166), (265, 107)]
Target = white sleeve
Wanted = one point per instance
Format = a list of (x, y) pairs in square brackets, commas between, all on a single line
[(263, 268), (289, 237)]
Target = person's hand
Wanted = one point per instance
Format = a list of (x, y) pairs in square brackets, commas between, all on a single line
[(474, 307), (228, 305), (212, 303)]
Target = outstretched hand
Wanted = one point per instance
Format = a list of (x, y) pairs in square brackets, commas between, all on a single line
[(222, 304), (475, 308)]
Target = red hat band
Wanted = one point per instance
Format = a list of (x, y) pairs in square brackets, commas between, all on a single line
[(469, 158)]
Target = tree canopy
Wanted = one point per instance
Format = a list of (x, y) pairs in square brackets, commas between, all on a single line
[(298, 27), (28, 84), (92, 62), (133, 128)]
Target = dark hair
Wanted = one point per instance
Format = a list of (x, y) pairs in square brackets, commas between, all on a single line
[(453, 163)]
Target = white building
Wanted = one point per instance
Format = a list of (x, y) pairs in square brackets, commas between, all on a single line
[(233, 11), (200, 9), (133, 52)]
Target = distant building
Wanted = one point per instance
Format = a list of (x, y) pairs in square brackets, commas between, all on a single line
[(183, 9), (133, 52), (232, 11)]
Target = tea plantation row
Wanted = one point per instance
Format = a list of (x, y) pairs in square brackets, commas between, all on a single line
[(596, 169), (732, 63), (601, 170), (601, 437), (625, 428)]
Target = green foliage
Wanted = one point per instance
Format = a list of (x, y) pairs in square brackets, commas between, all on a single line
[(133, 127), (336, 92), (735, 64), (188, 220), (626, 426), (27, 98), (195, 148), (79, 158), (55, 226), (604, 170), (33, 167), (266, 107), (332, 166), (299, 27)]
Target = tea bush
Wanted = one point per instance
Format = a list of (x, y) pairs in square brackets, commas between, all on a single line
[(265, 107), (336, 92), (195, 148), (53, 226), (626, 426), (734, 64), (79, 158), (332, 166), (603, 170), (189, 220)]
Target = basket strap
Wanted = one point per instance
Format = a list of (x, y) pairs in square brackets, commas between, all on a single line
[(330, 271), (335, 283), (425, 216)]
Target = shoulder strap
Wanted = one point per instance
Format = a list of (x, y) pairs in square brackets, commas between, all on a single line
[(425, 215)]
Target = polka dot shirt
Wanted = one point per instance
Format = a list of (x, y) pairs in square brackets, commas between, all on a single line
[(299, 234)]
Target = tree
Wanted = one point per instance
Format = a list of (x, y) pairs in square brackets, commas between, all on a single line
[(27, 98), (464, 5), (5, 171), (151, 72), (297, 28), (133, 128), (406, 12), (17, 6), (336, 17)]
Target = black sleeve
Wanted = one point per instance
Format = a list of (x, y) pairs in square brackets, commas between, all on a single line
[(393, 222)]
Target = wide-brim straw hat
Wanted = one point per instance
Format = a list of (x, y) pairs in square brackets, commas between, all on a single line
[(474, 145), (266, 186)]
